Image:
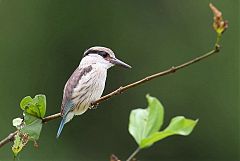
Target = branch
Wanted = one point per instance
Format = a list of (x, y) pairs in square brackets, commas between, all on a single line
[(131, 157), (8, 139), (126, 87), (148, 78)]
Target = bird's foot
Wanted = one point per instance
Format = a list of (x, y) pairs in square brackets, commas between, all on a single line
[(93, 106)]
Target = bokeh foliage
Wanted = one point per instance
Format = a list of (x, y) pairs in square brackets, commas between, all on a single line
[(42, 42)]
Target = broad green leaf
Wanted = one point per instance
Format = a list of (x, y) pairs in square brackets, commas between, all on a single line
[(27, 105), (28, 118), (35, 106), (155, 117), (178, 126), (181, 125), (40, 103), (138, 118), (145, 122), (33, 127)]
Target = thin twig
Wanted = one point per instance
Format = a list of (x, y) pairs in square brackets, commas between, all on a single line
[(114, 158), (51, 117), (133, 154), (148, 78), (8, 139), (125, 88)]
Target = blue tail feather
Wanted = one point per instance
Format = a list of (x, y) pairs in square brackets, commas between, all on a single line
[(67, 116), (61, 126)]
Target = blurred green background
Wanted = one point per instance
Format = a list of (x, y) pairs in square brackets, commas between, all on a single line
[(41, 43)]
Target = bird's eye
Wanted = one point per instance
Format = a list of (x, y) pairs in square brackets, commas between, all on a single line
[(103, 54)]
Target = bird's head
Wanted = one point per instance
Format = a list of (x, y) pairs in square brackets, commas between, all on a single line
[(102, 56)]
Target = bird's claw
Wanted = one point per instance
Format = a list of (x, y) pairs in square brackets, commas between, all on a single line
[(93, 106)]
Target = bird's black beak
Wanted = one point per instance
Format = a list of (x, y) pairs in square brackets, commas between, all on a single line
[(119, 63)]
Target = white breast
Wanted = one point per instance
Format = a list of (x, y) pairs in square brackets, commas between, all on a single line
[(89, 89)]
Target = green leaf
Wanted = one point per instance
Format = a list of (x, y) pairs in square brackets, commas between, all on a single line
[(33, 126), (181, 126), (35, 106), (20, 140), (28, 118), (17, 145), (145, 122), (137, 123), (178, 126), (155, 117), (27, 105), (40, 102)]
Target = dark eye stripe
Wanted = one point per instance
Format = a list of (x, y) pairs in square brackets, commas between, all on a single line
[(101, 53)]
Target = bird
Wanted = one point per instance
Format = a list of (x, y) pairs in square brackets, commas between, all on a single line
[(87, 82)]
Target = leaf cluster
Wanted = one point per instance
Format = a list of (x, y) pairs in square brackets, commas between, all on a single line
[(145, 124), (29, 128)]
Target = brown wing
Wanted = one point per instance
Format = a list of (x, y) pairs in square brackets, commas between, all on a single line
[(70, 85)]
